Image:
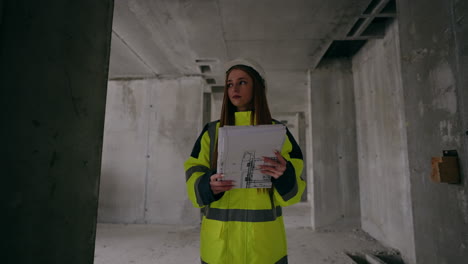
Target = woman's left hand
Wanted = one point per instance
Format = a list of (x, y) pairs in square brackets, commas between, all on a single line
[(274, 168)]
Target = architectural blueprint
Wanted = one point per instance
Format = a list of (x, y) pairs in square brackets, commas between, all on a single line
[(241, 150)]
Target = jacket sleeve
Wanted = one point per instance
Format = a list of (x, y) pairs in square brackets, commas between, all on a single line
[(289, 187), (198, 172)]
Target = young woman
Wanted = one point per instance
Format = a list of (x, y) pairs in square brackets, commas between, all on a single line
[(243, 225)]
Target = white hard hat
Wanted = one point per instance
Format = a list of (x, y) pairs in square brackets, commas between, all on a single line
[(247, 62)]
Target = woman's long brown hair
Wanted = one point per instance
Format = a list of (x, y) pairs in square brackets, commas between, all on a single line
[(260, 111)]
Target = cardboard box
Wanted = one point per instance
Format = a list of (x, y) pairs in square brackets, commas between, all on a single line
[(445, 169)]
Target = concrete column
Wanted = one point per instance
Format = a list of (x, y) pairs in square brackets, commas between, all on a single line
[(434, 52), (335, 185), (386, 208), (125, 152), (206, 107), (174, 127), (151, 127), (53, 77)]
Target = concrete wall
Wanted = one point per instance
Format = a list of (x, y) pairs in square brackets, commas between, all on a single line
[(216, 105), (460, 9), (434, 66), (334, 186), (287, 91), (124, 156), (151, 127), (386, 209), (53, 76)]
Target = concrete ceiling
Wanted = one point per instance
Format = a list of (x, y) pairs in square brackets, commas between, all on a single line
[(171, 38)]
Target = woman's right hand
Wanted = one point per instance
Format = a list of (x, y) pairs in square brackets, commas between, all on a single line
[(219, 186)]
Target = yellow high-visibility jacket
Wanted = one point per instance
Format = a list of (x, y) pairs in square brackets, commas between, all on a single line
[(242, 225)]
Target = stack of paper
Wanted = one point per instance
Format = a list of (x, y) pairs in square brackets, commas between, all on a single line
[(241, 150)]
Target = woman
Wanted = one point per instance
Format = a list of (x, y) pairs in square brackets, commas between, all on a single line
[(243, 225)]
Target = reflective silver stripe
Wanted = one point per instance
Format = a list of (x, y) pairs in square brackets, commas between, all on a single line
[(292, 193), (197, 193), (283, 260), (212, 136), (244, 215), (194, 169)]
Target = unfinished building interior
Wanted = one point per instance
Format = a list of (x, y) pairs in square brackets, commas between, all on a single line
[(103, 100)]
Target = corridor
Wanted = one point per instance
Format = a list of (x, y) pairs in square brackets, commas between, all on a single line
[(103, 101)]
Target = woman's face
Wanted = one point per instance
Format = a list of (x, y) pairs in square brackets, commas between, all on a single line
[(240, 89)]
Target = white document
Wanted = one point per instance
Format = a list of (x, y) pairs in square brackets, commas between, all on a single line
[(241, 150)]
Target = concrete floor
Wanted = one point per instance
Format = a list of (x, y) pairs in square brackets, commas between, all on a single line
[(168, 244)]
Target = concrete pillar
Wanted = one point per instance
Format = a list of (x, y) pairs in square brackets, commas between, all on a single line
[(151, 127), (434, 65), (53, 76), (122, 193), (334, 185), (386, 208), (176, 124), (206, 107)]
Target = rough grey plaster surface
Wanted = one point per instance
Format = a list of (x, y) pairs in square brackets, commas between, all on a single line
[(430, 34), (335, 193), (175, 123), (124, 154), (386, 209), (151, 127), (287, 91), (54, 62), (216, 105)]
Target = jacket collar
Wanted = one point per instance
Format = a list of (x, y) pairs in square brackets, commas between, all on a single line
[(243, 118)]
